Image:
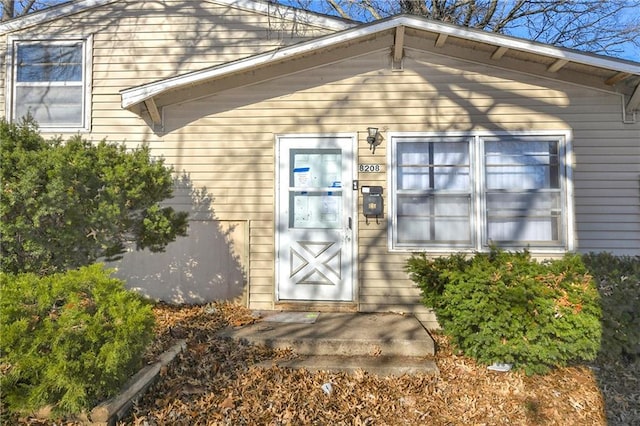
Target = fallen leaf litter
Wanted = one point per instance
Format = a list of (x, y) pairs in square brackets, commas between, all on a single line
[(215, 381), (233, 391)]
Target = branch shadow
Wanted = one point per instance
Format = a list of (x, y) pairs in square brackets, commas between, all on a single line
[(208, 265)]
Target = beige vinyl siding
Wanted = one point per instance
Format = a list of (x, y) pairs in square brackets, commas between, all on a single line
[(139, 42), (447, 95), (136, 42), (224, 144), (606, 180)]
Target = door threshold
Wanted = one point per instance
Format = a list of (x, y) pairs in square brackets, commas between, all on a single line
[(316, 306)]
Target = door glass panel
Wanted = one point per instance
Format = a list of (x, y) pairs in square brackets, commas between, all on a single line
[(315, 168), (315, 188)]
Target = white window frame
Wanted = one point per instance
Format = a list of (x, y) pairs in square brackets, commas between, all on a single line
[(435, 193), (478, 191), (11, 77)]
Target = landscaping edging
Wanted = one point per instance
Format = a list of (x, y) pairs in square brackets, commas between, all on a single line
[(114, 409)]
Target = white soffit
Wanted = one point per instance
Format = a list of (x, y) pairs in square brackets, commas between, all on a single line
[(507, 42), (562, 56)]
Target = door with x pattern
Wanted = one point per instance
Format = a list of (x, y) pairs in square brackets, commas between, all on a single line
[(315, 218)]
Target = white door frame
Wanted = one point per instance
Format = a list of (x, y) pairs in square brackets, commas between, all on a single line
[(349, 140)]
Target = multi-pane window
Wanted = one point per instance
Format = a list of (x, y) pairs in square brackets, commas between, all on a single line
[(49, 83), (523, 191), (433, 193), (472, 191)]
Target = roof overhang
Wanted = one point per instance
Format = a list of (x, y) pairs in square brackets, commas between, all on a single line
[(395, 33)]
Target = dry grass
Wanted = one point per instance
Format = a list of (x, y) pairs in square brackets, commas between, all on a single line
[(215, 382)]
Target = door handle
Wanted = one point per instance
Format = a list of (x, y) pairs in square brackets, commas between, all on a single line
[(348, 230)]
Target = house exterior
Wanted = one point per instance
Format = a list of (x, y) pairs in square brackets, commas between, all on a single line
[(316, 154)]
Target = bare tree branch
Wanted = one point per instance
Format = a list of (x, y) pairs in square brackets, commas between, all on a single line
[(488, 16), (471, 8), (338, 9), (16, 8), (513, 13), (592, 25), (599, 26), (367, 5)]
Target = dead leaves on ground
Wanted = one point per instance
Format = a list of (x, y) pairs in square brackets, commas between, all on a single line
[(216, 382)]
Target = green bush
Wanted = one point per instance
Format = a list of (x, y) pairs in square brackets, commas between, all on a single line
[(428, 274), (506, 307), (64, 205), (618, 280), (70, 339)]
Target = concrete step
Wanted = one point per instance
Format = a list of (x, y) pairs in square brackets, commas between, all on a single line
[(343, 334), (376, 365)]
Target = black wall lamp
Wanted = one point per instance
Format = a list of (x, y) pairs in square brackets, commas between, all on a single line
[(372, 138)]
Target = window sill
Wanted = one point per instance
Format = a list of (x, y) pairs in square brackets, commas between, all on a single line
[(536, 252), (58, 130)]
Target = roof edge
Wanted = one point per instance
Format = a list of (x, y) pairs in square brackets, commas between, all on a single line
[(72, 7), (327, 21), (50, 14), (586, 58), (143, 92), (138, 94)]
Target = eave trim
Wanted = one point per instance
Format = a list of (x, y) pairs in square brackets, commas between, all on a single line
[(154, 112), (139, 94), (398, 46), (50, 14), (55, 12), (563, 56)]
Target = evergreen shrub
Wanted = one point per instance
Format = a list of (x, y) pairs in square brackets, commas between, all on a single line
[(618, 281), (506, 307), (69, 340), (66, 204)]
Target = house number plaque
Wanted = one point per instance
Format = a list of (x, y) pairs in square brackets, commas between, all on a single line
[(369, 168)]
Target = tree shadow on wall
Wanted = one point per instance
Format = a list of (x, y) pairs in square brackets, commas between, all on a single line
[(206, 265)]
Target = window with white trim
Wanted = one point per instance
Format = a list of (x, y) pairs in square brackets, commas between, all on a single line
[(470, 191), (50, 83)]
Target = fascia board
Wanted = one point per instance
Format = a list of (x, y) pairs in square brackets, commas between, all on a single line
[(139, 94), (71, 8), (50, 14)]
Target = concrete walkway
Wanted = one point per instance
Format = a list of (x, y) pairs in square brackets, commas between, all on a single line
[(383, 344)]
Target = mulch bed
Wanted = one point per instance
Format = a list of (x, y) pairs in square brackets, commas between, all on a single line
[(215, 382)]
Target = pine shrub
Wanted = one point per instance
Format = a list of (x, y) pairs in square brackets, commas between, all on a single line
[(618, 281), (65, 204), (508, 308), (429, 274), (69, 340)]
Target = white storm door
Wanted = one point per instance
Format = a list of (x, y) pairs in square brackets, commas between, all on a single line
[(314, 218)]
